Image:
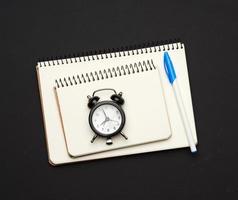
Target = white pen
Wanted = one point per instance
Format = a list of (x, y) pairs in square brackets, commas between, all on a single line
[(169, 69)]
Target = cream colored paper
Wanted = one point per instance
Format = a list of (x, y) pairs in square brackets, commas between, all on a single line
[(57, 152), (145, 109)]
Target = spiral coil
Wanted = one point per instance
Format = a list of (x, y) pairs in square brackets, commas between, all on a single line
[(141, 66), (113, 53)]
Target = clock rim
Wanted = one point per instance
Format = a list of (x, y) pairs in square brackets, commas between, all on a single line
[(123, 120)]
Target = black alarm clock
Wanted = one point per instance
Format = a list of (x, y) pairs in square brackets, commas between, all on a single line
[(106, 118)]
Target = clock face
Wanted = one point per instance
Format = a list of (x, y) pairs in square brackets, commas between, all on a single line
[(107, 118)]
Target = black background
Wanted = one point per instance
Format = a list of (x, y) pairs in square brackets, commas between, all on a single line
[(35, 30)]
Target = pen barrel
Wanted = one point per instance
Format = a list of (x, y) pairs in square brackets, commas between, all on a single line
[(184, 116)]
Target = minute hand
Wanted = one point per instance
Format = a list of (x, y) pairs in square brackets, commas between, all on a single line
[(104, 113)]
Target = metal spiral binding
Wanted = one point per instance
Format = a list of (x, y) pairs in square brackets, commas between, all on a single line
[(113, 53), (141, 66)]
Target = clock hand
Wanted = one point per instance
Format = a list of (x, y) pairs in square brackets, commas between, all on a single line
[(106, 118), (104, 113), (104, 122), (114, 121)]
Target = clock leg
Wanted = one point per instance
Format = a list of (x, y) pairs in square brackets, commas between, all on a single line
[(94, 137), (109, 141), (123, 135)]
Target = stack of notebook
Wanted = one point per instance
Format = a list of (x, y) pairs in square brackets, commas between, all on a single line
[(152, 119)]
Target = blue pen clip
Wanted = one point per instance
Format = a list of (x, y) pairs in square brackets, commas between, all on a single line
[(169, 68)]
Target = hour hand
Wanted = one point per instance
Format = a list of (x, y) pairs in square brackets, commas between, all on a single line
[(103, 123)]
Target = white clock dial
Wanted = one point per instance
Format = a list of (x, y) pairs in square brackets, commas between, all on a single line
[(106, 119)]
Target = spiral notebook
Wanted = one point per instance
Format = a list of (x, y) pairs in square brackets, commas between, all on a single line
[(140, 84), (50, 71)]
